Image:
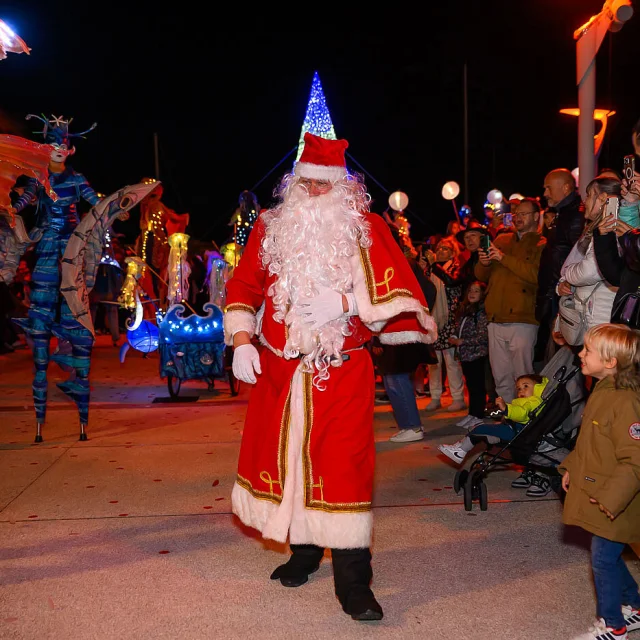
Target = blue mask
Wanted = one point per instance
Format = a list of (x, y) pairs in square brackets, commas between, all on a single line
[(630, 213)]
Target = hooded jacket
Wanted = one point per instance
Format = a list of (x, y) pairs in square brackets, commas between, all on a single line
[(520, 409), (605, 465)]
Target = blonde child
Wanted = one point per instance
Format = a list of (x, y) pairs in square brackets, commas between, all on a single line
[(602, 475)]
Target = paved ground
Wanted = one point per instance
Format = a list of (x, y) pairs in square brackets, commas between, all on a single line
[(129, 535)]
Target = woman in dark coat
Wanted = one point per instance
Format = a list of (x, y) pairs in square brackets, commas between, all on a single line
[(617, 247)]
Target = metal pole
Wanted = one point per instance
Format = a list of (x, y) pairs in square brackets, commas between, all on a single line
[(455, 210), (156, 156), (466, 136), (586, 127)]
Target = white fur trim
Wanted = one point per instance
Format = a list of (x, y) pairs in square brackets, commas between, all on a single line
[(404, 337), (236, 320), (375, 317), (290, 518), (319, 171)]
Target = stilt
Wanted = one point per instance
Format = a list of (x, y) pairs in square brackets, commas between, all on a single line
[(38, 432), (83, 435)]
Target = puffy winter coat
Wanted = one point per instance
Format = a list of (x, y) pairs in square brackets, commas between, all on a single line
[(605, 465), (593, 295)]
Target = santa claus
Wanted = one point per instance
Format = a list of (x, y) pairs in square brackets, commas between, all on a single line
[(319, 274)]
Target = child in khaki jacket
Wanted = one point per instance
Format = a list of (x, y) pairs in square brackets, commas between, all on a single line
[(602, 475)]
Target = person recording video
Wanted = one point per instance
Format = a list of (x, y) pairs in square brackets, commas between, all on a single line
[(617, 241)]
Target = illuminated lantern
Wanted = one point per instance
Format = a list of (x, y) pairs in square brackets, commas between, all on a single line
[(231, 252), (144, 338), (398, 201), (494, 196), (450, 190), (178, 269)]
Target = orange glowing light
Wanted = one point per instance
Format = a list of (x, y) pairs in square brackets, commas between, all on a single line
[(602, 116), (598, 114)]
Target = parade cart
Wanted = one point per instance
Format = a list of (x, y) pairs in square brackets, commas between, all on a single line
[(192, 348)]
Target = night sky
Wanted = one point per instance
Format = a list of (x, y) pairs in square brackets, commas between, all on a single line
[(227, 95)]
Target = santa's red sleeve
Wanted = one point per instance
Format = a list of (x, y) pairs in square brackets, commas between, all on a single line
[(246, 288), (389, 297)]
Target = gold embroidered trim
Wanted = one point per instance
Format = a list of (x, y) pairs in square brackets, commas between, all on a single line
[(307, 469), (307, 410), (372, 285), (283, 443), (260, 495), (239, 306)]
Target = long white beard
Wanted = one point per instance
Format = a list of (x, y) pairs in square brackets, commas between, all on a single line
[(309, 241)]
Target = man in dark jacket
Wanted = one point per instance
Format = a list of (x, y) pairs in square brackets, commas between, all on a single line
[(563, 199)]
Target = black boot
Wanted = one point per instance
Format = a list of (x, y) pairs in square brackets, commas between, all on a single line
[(352, 576), (304, 561)]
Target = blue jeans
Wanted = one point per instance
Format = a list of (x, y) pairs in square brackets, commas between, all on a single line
[(399, 388), (615, 586), (500, 430)]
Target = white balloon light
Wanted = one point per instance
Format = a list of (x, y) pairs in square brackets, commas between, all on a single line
[(516, 196), (494, 196), (398, 201), (450, 190)]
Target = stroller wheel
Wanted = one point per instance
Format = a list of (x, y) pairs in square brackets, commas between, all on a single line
[(468, 492), (459, 479), (482, 495)]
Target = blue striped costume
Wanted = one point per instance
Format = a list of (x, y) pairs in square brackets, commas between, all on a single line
[(49, 313)]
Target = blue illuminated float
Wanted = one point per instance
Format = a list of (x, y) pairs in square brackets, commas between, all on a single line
[(192, 347)]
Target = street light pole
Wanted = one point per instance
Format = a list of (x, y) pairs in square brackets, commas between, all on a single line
[(588, 38)]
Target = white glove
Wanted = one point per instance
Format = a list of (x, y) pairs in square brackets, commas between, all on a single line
[(246, 360), (323, 308)]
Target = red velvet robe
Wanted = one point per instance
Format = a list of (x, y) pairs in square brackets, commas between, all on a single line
[(307, 456)]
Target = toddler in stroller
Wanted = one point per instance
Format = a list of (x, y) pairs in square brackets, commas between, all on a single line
[(529, 388), (539, 445)]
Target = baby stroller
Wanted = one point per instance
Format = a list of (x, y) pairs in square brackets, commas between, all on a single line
[(543, 442)]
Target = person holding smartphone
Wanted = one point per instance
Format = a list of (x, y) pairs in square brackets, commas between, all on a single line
[(580, 276), (510, 268), (616, 241)]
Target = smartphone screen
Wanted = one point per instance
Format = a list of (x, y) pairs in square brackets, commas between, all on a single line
[(611, 206), (485, 242)]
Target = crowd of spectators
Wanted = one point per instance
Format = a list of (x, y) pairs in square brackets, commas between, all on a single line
[(498, 283)]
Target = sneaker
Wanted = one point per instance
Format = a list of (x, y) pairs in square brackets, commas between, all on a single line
[(408, 435), (464, 421), (383, 399), (422, 394), (453, 452), (434, 405), (540, 486), (474, 422), (631, 617), (600, 631), (523, 481), (456, 405)]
